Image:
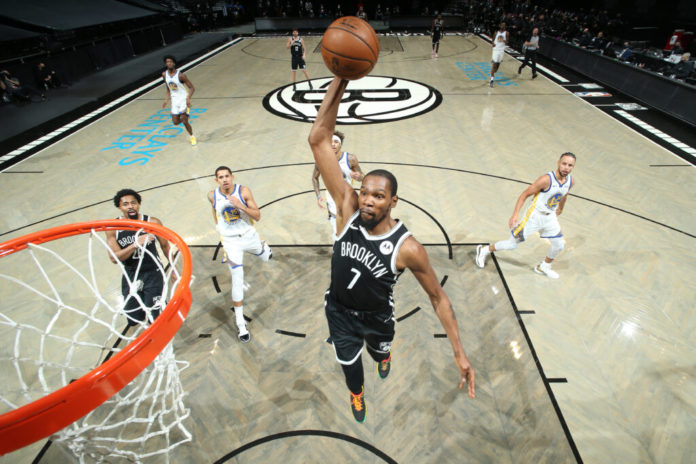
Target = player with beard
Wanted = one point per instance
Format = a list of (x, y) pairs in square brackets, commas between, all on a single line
[(370, 253), (550, 192), (138, 254)]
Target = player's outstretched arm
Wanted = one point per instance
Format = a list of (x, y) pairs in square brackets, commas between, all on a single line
[(320, 142), (413, 256)]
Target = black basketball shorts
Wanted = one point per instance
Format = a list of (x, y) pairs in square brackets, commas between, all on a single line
[(298, 63), (349, 330), (149, 287)]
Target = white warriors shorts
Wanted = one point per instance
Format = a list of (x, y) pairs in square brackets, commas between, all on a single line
[(236, 245), (179, 105), (498, 56), (536, 221)]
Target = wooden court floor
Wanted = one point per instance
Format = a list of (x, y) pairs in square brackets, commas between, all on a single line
[(609, 375)]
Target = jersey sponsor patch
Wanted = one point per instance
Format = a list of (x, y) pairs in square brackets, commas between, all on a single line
[(386, 248)]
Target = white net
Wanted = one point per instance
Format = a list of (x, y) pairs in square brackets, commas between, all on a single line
[(61, 316)]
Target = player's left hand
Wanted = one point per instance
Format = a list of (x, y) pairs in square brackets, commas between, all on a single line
[(558, 211), (467, 374), (188, 103)]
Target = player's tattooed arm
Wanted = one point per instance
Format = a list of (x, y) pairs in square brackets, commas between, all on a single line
[(316, 187), (355, 171)]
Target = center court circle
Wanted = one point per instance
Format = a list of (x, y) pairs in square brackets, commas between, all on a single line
[(370, 100)]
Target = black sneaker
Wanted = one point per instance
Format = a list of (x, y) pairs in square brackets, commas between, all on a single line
[(383, 367), (519, 70), (357, 404)]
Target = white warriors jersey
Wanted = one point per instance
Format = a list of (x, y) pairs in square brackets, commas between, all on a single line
[(231, 220), (499, 40), (176, 87), (344, 164), (548, 200)]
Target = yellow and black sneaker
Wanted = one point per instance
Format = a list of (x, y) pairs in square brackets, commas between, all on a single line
[(383, 367), (357, 404)]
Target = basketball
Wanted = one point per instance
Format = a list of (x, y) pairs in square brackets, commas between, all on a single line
[(350, 48)]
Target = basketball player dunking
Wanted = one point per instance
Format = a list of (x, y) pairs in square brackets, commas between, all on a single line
[(234, 212), (371, 251), (297, 54), (181, 99), (500, 41), (142, 267), (350, 167), (550, 192), (436, 32)]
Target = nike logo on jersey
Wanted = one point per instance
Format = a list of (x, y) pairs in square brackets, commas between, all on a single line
[(365, 257)]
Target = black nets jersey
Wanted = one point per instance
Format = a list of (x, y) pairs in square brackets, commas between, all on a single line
[(296, 48), (363, 267), (437, 27), (126, 238)]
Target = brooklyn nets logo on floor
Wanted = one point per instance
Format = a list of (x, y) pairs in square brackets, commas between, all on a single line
[(372, 99)]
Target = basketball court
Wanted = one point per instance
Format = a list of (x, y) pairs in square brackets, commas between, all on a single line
[(594, 367)]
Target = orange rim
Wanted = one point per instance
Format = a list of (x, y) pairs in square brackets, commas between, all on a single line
[(45, 416)]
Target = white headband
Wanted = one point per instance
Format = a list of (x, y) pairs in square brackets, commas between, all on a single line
[(336, 138)]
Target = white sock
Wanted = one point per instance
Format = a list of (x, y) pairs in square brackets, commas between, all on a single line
[(239, 316)]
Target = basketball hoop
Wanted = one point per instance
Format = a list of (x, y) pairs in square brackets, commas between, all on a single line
[(65, 400)]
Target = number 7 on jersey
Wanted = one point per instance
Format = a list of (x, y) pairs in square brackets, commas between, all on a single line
[(355, 279)]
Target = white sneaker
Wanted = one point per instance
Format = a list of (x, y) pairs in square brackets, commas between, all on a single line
[(481, 255), (243, 333), (544, 268)]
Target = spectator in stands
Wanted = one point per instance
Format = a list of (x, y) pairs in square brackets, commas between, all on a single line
[(684, 68), (13, 88), (339, 11), (586, 38), (45, 77), (598, 42), (677, 49), (626, 53)]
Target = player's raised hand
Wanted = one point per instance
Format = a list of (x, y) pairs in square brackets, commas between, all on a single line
[(467, 374)]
